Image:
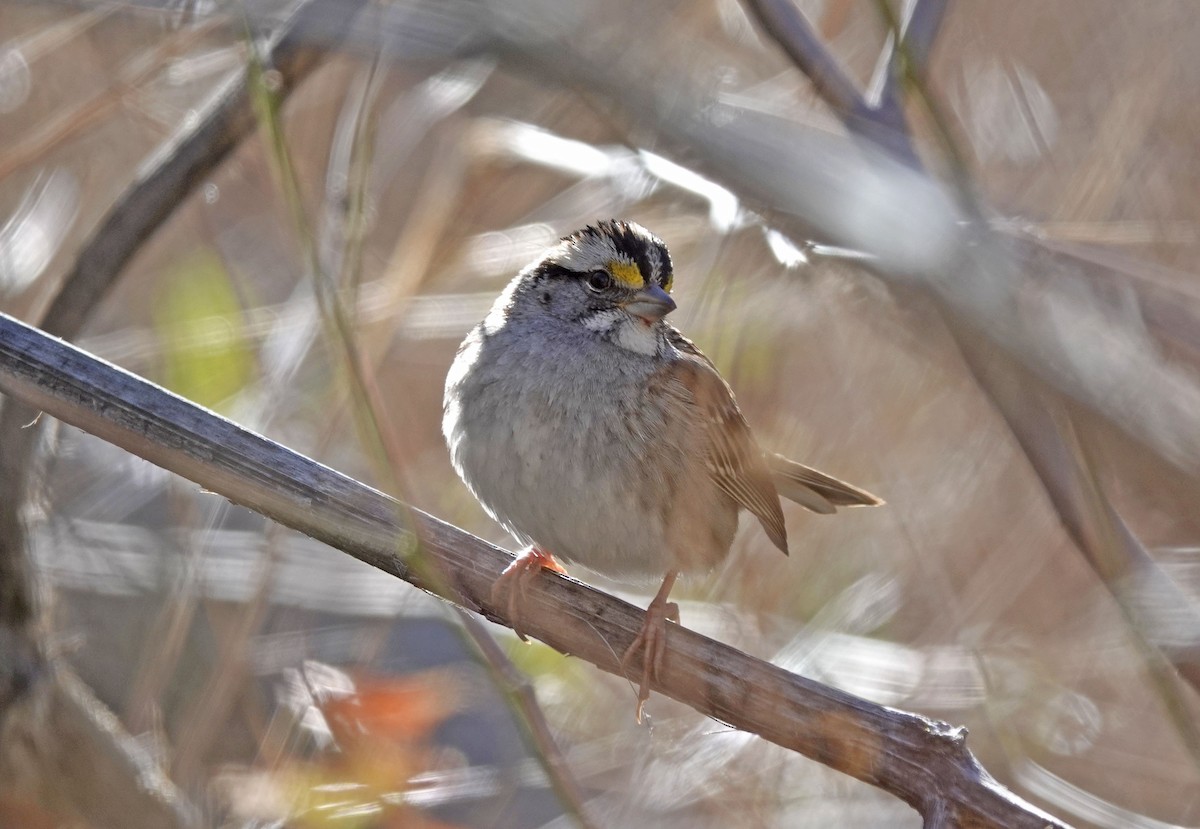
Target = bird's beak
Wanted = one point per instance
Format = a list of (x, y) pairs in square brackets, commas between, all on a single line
[(651, 304)]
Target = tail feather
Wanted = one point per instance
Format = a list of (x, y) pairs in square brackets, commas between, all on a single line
[(813, 489)]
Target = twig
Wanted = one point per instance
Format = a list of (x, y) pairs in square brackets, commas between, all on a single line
[(789, 28), (907, 50), (160, 187), (926, 763), (1119, 560), (920, 29), (523, 699), (64, 748), (383, 443), (787, 25)]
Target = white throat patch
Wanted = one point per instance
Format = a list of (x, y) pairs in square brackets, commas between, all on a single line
[(627, 332)]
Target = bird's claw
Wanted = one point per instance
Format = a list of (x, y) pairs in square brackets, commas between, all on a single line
[(515, 582), (653, 640)]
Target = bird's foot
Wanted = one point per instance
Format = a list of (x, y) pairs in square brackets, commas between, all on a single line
[(652, 639), (515, 582)]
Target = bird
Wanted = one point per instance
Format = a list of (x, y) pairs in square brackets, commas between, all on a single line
[(595, 433)]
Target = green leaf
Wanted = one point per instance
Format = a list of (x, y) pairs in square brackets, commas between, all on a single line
[(199, 321)]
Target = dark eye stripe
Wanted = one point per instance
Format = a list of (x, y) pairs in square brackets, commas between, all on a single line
[(552, 270)]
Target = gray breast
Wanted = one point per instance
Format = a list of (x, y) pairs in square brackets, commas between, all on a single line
[(552, 437)]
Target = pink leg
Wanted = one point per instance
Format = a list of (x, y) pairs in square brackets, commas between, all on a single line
[(516, 578), (653, 638)]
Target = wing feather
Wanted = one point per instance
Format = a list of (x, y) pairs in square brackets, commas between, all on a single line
[(735, 462), (752, 478)]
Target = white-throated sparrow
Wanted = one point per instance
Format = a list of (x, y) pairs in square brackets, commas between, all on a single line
[(595, 432)]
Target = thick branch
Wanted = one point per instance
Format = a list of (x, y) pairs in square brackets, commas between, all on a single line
[(924, 762)]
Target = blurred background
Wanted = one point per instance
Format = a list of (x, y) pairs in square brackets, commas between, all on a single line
[(425, 156)]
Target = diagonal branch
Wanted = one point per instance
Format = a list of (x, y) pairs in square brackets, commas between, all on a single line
[(881, 125), (1117, 557), (911, 45), (788, 26), (64, 748), (1145, 594), (925, 763)]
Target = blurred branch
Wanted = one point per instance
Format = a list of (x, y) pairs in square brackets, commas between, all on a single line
[(71, 123), (882, 124), (923, 762), (62, 747), (1166, 298), (907, 52), (923, 20), (1048, 339), (818, 186), (1154, 606), (522, 699), (1047, 437), (788, 26), (159, 188), (1049, 442)]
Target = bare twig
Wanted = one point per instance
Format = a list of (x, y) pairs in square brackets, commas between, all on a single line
[(1142, 591), (379, 434), (787, 25), (920, 29), (160, 187), (66, 750), (522, 698), (921, 20), (926, 763)]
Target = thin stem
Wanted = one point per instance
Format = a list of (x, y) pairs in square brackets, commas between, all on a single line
[(383, 445)]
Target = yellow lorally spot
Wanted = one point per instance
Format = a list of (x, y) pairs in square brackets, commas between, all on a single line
[(627, 274)]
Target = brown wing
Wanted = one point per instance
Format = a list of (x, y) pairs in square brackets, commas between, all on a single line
[(736, 464)]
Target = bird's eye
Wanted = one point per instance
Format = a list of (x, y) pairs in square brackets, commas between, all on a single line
[(598, 281)]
